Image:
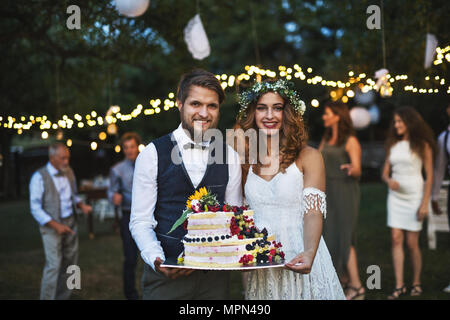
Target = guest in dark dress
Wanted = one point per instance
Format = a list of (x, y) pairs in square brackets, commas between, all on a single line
[(341, 152)]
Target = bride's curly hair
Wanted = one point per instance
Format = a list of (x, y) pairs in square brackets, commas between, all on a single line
[(293, 137), (420, 133)]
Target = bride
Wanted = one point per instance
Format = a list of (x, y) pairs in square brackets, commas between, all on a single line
[(286, 191)]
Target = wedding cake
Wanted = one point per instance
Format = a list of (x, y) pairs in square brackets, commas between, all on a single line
[(223, 235)]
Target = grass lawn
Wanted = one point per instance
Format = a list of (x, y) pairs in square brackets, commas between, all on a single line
[(100, 259)]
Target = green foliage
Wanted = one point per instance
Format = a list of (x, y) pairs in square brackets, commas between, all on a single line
[(114, 60)]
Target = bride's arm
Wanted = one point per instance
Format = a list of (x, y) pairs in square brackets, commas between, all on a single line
[(314, 210)]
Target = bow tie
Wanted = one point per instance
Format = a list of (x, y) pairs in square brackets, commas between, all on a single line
[(191, 145), (59, 174)]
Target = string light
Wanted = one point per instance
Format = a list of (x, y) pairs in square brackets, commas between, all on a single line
[(227, 81), (440, 55), (102, 135)]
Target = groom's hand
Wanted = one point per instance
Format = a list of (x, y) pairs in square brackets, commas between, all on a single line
[(171, 273)]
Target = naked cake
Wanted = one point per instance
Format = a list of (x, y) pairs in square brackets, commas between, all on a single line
[(223, 235)]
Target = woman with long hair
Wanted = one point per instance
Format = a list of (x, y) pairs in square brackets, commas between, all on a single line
[(284, 185), (410, 147), (341, 152)]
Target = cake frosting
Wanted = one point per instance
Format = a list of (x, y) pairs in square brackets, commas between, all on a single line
[(223, 236)]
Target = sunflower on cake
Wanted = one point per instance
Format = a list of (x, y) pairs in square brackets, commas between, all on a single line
[(221, 236)]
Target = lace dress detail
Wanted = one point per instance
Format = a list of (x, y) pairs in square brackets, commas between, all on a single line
[(314, 199), (279, 205)]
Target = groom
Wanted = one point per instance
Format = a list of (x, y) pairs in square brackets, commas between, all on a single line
[(161, 186)]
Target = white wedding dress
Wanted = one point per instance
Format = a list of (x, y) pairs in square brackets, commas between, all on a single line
[(279, 205)]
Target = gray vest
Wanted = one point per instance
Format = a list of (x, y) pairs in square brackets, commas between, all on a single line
[(51, 203)]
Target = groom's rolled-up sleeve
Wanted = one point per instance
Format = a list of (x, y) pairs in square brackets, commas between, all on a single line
[(144, 196), (233, 192)]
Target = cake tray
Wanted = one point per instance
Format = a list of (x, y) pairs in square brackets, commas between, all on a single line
[(170, 264)]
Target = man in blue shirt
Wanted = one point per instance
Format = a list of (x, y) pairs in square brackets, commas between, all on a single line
[(441, 169), (119, 193)]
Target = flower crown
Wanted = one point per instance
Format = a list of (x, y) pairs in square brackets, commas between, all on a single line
[(283, 87)]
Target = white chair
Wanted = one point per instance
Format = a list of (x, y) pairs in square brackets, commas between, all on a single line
[(438, 222), (103, 209)]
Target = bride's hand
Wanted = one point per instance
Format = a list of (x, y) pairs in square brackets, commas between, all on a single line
[(301, 263)]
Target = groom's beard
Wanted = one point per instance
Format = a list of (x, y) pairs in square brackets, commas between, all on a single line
[(197, 134)]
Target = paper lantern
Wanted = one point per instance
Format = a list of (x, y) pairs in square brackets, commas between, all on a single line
[(386, 90), (360, 117), (132, 8), (430, 50), (383, 84), (196, 38), (364, 98), (374, 114)]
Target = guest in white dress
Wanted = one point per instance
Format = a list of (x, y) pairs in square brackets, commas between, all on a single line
[(410, 147), (285, 188)]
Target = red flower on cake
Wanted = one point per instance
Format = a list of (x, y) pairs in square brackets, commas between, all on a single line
[(213, 208), (185, 224)]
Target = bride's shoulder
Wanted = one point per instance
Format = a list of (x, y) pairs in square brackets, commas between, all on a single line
[(309, 156)]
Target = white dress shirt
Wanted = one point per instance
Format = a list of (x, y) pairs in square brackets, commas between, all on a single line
[(145, 190), (440, 167), (62, 185)]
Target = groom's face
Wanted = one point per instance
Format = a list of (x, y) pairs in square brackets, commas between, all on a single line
[(200, 110)]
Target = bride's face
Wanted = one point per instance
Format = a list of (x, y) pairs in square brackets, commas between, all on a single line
[(269, 113)]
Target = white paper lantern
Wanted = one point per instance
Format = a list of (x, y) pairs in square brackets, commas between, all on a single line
[(132, 8), (374, 114), (196, 38), (430, 50), (360, 117)]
